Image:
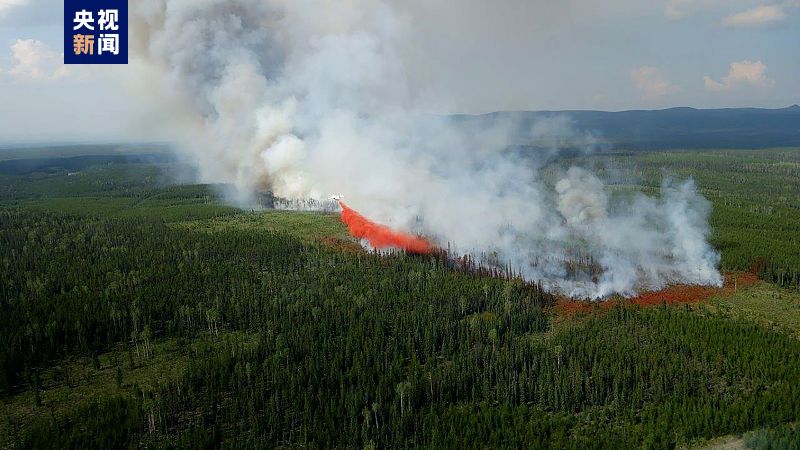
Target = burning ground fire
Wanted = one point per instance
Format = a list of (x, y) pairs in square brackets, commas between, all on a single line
[(273, 111), (380, 236), (672, 295)]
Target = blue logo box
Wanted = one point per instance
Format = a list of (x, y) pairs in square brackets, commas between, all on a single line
[(95, 31)]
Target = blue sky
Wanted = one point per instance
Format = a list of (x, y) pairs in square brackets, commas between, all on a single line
[(465, 56)]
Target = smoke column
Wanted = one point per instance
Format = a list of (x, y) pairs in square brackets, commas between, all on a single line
[(379, 236), (306, 98)]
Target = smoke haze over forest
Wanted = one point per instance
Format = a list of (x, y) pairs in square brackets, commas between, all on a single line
[(266, 97)]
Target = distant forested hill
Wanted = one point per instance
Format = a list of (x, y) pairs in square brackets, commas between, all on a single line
[(671, 128)]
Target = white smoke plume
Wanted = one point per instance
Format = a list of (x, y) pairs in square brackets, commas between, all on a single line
[(307, 98)]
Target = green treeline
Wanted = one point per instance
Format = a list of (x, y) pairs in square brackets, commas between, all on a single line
[(631, 378), (346, 349), (768, 246), (78, 286)]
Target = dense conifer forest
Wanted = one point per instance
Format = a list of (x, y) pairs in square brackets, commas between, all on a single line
[(135, 312)]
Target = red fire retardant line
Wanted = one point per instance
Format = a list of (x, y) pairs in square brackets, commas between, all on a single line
[(381, 236)]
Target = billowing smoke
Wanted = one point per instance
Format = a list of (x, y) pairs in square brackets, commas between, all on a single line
[(306, 98)]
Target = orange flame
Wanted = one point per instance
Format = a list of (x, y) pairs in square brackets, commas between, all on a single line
[(381, 236)]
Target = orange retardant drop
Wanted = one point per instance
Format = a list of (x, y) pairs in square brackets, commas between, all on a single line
[(381, 236)]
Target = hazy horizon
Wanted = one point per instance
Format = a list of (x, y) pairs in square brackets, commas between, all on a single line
[(9, 142), (458, 59)]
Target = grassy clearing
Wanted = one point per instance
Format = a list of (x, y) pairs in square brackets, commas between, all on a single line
[(781, 437), (729, 442), (309, 226), (785, 436), (128, 207), (763, 303), (178, 210), (83, 206)]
